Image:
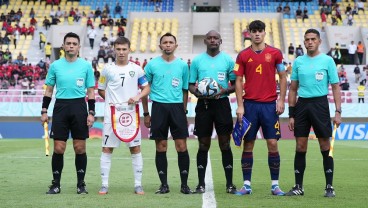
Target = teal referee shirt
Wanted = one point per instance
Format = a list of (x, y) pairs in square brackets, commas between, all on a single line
[(71, 78), (314, 74), (167, 79)]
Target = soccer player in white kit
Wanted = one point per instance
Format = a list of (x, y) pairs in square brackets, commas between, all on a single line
[(119, 83)]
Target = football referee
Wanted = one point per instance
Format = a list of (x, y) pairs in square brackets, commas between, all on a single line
[(214, 110), (71, 75), (312, 73)]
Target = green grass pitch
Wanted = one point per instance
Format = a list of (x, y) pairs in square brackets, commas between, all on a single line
[(25, 173)]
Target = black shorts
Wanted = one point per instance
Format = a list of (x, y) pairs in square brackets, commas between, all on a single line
[(165, 116), (218, 112), (312, 112), (69, 116)]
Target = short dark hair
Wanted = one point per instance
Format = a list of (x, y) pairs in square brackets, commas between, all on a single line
[(257, 25), (71, 35), (122, 41), (168, 35), (311, 30)]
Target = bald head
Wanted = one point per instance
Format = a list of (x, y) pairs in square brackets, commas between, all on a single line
[(213, 33)]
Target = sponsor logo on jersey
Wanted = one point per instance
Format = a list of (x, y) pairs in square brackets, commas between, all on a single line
[(250, 60)]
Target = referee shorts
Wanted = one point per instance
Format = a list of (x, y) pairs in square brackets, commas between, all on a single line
[(167, 116), (312, 112), (69, 117), (210, 112)]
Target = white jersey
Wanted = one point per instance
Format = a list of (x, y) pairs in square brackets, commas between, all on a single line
[(120, 83)]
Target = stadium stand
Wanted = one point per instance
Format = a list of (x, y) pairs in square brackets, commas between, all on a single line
[(143, 26)]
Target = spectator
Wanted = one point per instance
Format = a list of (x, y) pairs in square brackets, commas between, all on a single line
[(107, 8), (121, 31), (103, 23), (46, 23), (348, 9), (305, 13), (323, 20), (42, 39), (110, 22), (145, 63), (360, 51), (357, 73), (360, 5), (4, 84), (102, 54), (33, 22), (20, 59), (42, 64), (104, 43), (352, 48), (89, 23), (97, 14), (55, 20), (137, 62), (117, 10), (6, 40), (279, 8), (112, 39), (31, 30), (59, 13), (32, 13), (355, 10), (110, 53), (24, 30), (291, 51), (350, 20), (94, 63), (299, 51), (48, 50), (194, 7), (16, 38), (61, 53), (298, 13), (361, 89), (342, 70), (345, 85), (52, 13), (91, 33), (77, 15), (286, 10), (246, 36)]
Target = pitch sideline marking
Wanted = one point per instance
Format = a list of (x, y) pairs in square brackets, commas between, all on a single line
[(208, 197)]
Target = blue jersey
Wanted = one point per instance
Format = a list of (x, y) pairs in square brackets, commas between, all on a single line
[(219, 68), (314, 74), (167, 79), (71, 78)]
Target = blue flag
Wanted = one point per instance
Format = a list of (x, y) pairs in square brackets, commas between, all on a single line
[(240, 130)]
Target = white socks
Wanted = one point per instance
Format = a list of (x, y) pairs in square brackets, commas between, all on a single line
[(105, 164), (137, 163)]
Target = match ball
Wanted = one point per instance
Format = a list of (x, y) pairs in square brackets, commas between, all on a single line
[(208, 86)]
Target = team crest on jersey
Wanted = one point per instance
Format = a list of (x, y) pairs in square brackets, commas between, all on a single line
[(132, 73), (268, 57)]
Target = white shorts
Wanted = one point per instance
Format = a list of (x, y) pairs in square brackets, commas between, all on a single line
[(109, 139)]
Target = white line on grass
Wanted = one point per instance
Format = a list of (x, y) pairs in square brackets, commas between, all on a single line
[(208, 197)]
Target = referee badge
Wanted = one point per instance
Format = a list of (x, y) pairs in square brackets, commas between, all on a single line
[(80, 82), (319, 76)]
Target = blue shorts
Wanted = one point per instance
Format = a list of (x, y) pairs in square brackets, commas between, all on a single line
[(262, 115)]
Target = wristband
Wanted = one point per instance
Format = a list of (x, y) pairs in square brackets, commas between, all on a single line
[(338, 111), (91, 104), (291, 111), (91, 112), (43, 112), (145, 114), (46, 102)]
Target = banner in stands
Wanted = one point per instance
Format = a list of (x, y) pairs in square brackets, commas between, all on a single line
[(11, 130)]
